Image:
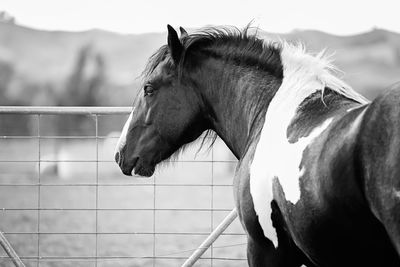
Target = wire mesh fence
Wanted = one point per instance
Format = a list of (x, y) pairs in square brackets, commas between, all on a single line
[(65, 203)]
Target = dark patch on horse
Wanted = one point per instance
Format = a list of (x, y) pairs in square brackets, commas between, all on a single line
[(314, 110), (331, 186), (289, 253)]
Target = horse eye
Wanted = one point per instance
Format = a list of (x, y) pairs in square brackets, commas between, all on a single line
[(148, 90)]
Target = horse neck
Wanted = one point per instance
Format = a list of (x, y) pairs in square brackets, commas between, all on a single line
[(236, 100)]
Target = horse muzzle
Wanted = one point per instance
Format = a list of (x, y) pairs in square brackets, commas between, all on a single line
[(126, 167)]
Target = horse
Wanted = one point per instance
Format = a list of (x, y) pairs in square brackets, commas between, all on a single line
[(317, 181)]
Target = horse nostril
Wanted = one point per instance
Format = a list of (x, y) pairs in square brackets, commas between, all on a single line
[(117, 157)]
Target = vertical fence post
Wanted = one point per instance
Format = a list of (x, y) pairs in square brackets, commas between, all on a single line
[(154, 221), (97, 188), (10, 251), (39, 188), (212, 203)]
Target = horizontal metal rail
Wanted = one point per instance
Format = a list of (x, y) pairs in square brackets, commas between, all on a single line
[(64, 110), (78, 137), (94, 161), (93, 258), (112, 209), (116, 185), (121, 233)]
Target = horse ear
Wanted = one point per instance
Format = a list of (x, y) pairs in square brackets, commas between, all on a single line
[(183, 32), (174, 44)]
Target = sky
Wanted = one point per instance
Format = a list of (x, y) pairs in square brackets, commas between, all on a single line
[(341, 17)]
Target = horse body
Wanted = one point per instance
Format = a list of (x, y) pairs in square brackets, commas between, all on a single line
[(331, 224), (307, 187)]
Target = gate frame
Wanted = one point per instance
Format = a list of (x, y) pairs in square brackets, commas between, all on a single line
[(95, 111)]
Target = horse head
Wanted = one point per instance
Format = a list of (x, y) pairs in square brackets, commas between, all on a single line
[(167, 113)]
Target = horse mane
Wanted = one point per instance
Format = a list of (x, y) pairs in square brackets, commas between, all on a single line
[(319, 67), (248, 51), (227, 43)]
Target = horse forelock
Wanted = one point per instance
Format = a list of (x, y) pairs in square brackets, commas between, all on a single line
[(155, 59)]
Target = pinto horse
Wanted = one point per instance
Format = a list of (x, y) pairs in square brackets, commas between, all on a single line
[(318, 180)]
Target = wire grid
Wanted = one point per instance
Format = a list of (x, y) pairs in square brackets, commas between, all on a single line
[(96, 259)]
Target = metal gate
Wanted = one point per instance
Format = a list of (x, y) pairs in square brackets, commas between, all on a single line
[(64, 203)]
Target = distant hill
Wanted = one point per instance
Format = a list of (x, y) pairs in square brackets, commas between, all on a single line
[(50, 54), (370, 61)]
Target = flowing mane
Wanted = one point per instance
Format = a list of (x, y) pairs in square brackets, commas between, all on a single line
[(318, 68), (230, 44), (247, 50)]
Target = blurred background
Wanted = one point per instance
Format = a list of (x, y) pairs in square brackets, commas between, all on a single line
[(91, 53), (40, 65), (64, 200)]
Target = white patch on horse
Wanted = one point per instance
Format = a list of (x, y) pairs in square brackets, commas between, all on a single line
[(275, 156), (356, 123), (122, 138), (351, 109)]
